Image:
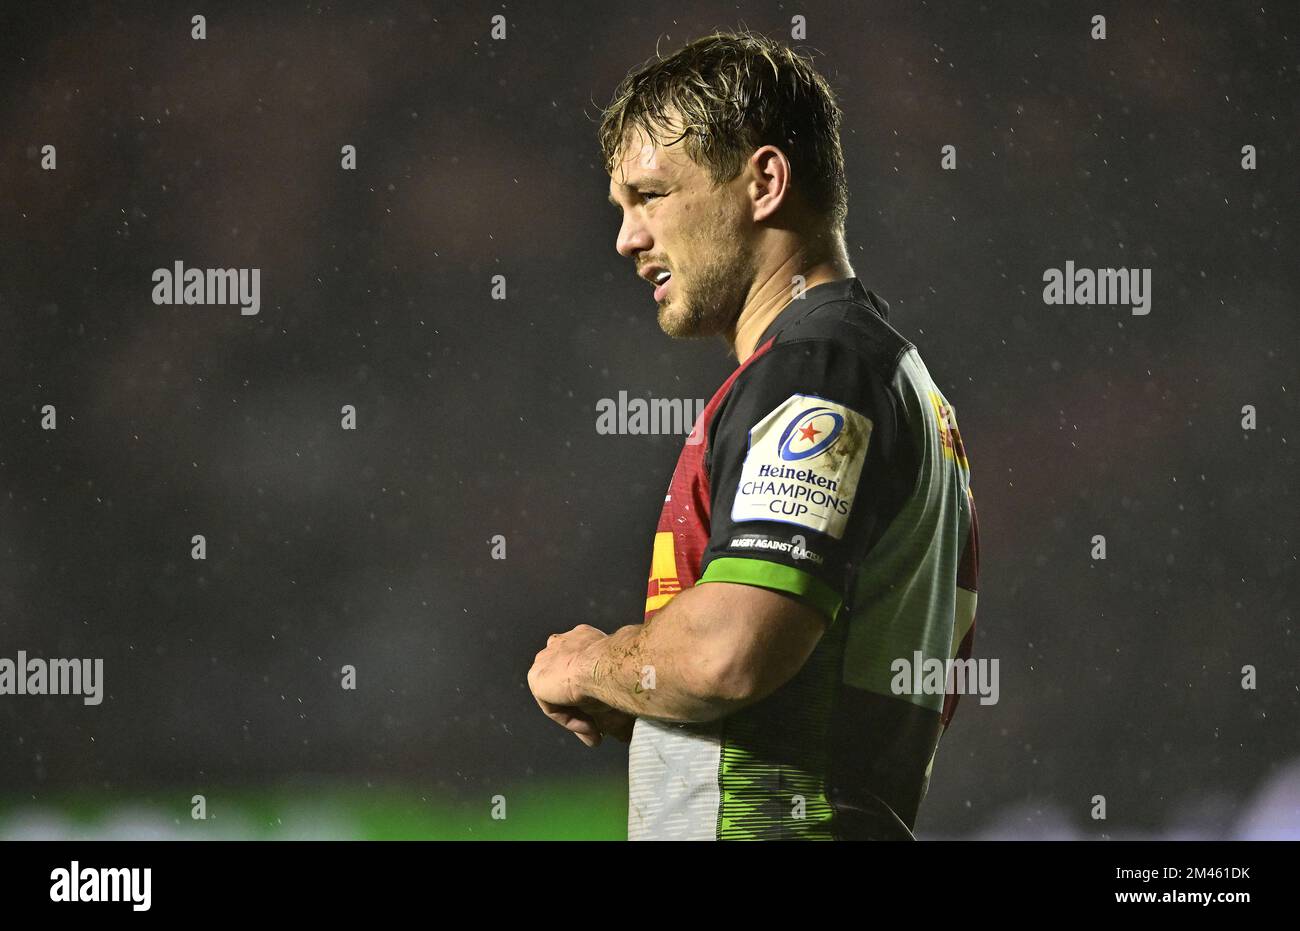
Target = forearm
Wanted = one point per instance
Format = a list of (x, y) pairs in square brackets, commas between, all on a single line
[(664, 669)]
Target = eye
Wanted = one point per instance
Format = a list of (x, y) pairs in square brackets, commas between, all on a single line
[(649, 195)]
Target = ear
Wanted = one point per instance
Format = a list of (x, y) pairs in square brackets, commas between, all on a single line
[(769, 181)]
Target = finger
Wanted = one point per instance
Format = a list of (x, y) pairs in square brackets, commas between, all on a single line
[(571, 719), (581, 726), (579, 723), (551, 710), (610, 721)]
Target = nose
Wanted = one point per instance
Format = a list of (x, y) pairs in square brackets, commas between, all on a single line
[(633, 237)]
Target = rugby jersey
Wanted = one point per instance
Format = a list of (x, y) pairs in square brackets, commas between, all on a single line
[(829, 467)]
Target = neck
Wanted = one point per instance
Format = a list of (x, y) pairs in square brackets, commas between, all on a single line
[(773, 290)]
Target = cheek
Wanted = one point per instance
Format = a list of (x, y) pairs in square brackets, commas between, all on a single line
[(715, 221), (694, 230)]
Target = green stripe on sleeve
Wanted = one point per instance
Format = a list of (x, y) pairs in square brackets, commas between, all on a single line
[(775, 576)]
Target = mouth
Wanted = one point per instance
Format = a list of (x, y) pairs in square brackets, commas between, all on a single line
[(659, 277), (661, 286)]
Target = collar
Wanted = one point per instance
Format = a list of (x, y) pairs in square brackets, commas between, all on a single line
[(844, 289)]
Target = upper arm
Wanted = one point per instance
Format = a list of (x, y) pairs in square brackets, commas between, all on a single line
[(804, 473), (748, 640)]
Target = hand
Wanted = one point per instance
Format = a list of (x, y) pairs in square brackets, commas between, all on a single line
[(571, 719), (592, 722), (555, 682), (556, 674)]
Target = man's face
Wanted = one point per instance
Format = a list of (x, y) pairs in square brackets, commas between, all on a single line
[(675, 220)]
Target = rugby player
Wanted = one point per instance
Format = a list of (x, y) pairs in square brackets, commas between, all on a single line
[(819, 524)]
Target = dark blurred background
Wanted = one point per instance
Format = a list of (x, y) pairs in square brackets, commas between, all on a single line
[(477, 157)]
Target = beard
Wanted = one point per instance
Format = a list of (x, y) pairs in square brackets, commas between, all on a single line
[(710, 295)]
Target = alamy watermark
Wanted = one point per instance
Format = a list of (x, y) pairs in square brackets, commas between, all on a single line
[(80, 883), (36, 676), (181, 285), (649, 416), (1119, 286), (933, 676)]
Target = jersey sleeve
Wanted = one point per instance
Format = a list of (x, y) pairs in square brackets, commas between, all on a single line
[(805, 470)]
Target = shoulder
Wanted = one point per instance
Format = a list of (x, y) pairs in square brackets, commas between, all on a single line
[(838, 328), (840, 357), (841, 350)]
